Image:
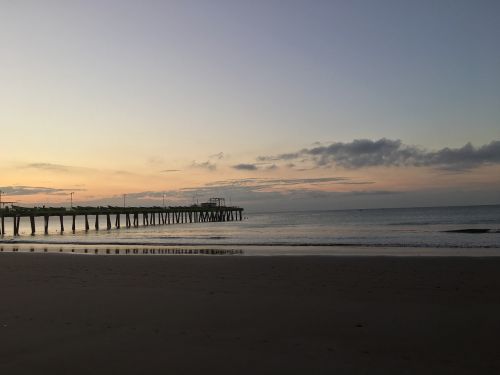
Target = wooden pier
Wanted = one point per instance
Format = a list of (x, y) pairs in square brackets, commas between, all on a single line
[(112, 215)]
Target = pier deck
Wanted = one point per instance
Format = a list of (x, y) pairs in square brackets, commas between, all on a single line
[(132, 215)]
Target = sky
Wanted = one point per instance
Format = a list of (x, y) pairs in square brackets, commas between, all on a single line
[(274, 105)]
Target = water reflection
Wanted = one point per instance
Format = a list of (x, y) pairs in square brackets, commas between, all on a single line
[(119, 251)]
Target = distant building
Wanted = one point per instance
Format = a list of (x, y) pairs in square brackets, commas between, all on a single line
[(215, 202)]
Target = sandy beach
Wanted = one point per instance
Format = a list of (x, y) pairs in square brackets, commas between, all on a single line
[(78, 314)]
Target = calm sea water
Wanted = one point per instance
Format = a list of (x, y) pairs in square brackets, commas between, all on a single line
[(373, 228)]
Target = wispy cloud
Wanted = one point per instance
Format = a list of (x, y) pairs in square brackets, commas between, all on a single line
[(204, 165), (155, 160), (261, 183), (373, 192), (123, 173), (218, 156), (209, 164), (385, 152), (49, 166), (170, 170), (34, 190)]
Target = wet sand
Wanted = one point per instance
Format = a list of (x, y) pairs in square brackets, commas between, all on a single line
[(77, 314)]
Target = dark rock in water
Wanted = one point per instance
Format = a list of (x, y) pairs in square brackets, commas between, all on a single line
[(470, 230)]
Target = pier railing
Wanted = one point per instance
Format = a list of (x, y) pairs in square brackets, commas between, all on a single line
[(149, 216)]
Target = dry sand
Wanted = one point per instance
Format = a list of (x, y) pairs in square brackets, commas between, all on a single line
[(67, 314)]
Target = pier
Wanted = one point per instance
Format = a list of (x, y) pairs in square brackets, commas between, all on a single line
[(111, 216)]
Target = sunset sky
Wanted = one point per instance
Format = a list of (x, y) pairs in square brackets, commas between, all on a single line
[(272, 104)]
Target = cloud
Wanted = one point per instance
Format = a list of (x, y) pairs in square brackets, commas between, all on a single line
[(255, 166), (245, 167), (217, 156), (373, 192), (170, 170), (465, 157), (155, 160), (49, 166), (204, 165), (385, 152), (33, 190), (258, 184), (123, 173), (71, 169)]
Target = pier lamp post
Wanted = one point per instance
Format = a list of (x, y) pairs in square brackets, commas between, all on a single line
[(124, 196), (163, 200), (1, 192), (71, 198)]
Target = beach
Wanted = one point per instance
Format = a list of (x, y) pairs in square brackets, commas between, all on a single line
[(80, 314)]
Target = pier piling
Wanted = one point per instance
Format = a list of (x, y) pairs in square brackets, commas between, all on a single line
[(32, 222), (16, 225)]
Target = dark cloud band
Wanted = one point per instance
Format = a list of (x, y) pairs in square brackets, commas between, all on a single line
[(245, 167), (385, 152)]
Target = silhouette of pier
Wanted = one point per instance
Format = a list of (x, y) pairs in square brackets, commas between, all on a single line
[(111, 216)]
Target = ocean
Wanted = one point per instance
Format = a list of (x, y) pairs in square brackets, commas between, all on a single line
[(472, 230)]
